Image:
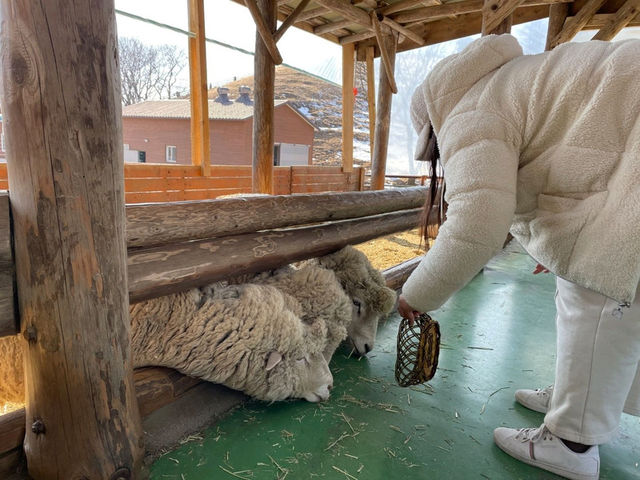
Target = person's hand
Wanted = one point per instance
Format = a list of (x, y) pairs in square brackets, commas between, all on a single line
[(540, 269), (406, 311)]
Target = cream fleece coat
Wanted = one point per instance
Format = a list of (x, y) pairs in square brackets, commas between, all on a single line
[(547, 146)]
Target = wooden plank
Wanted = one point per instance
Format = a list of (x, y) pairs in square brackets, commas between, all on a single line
[(601, 19), (8, 306), (263, 117), (291, 19), (161, 197), (265, 30), (69, 227), (316, 169), (200, 154), (395, 276), (573, 25), (149, 225), (371, 96), (387, 42), (407, 5), (331, 27), (163, 270), (557, 16), (12, 430), (344, 8), (348, 65), (496, 16), (144, 170), (627, 12), (403, 30), (383, 119), (10, 462), (312, 13)]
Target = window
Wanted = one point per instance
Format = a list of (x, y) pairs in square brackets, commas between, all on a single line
[(172, 154)]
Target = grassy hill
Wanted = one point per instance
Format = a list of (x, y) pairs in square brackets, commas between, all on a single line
[(321, 102)]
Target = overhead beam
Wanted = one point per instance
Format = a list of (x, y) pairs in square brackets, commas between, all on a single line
[(496, 16), (344, 8), (410, 34), (407, 5), (622, 18), (348, 64), (600, 20), (387, 49), (200, 146), (265, 31), (263, 108), (62, 120), (312, 13), (557, 16), (291, 19), (331, 27), (575, 24)]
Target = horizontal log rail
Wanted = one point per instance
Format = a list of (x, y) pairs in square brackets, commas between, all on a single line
[(161, 223), (163, 270), (396, 276)]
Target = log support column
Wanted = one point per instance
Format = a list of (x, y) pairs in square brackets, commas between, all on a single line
[(263, 116), (348, 64), (371, 96), (383, 109), (497, 16), (62, 121)]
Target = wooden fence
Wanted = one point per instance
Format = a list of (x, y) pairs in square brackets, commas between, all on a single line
[(170, 183)]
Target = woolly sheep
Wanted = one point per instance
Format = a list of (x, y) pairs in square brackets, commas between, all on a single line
[(247, 337)]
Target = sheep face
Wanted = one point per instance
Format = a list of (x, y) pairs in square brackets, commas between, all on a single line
[(363, 327), (308, 377)]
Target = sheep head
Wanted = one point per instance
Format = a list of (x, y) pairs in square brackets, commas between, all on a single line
[(310, 377), (365, 286)]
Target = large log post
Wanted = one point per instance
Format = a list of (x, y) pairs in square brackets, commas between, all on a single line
[(61, 109), (8, 310), (383, 113), (348, 64), (264, 86), (371, 96), (557, 16)]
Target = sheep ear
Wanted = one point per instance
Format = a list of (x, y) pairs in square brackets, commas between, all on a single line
[(274, 359)]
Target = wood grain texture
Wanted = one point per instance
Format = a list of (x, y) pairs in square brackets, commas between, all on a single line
[(395, 276), (264, 85), (557, 15), (344, 8), (8, 306), (383, 116), (291, 19), (496, 16), (371, 95), (622, 18), (387, 43), (163, 223), (573, 25), (264, 30), (159, 271), (62, 117), (348, 65)]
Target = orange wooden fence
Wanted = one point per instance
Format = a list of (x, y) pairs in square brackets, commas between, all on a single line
[(168, 183)]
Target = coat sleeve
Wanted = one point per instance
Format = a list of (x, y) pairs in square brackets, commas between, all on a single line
[(481, 165)]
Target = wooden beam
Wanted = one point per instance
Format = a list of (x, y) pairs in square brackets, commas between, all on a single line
[(348, 64), (600, 20), (357, 37), (410, 34), (574, 25), (371, 96), (264, 30), (496, 16), (164, 270), (456, 8), (387, 42), (263, 116), (557, 16), (395, 276), (407, 5), (331, 27), (312, 13), (348, 11), (626, 13), (383, 117), (8, 307), (62, 118), (291, 19), (200, 147), (174, 222)]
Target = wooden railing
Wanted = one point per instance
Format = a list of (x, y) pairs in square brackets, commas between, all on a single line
[(170, 183)]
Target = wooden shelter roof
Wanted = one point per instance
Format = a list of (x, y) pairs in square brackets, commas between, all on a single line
[(424, 22)]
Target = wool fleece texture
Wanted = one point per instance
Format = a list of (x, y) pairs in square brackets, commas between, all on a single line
[(546, 146)]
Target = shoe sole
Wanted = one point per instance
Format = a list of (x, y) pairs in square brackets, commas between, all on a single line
[(547, 467)]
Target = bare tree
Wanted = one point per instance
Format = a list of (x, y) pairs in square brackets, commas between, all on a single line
[(148, 71)]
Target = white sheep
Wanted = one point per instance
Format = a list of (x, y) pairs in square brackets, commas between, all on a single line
[(247, 337)]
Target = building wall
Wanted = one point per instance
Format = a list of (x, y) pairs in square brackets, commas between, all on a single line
[(230, 140)]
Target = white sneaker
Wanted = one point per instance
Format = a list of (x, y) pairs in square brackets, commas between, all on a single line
[(536, 400), (541, 448)]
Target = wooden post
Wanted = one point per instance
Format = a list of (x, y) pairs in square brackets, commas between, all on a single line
[(557, 15), (8, 310), (348, 63), (383, 114), (62, 119), (497, 16), (575, 24), (264, 85), (371, 96), (622, 18), (200, 154)]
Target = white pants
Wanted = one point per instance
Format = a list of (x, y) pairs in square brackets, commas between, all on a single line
[(597, 366)]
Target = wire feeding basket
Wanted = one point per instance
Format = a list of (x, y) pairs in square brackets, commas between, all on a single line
[(418, 350)]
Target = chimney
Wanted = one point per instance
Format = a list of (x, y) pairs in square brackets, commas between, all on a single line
[(244, 97), (223, 96)]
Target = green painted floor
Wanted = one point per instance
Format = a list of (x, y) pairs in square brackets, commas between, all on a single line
[(497, 335)]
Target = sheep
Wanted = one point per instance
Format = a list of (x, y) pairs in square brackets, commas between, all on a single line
[(247, 337)]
